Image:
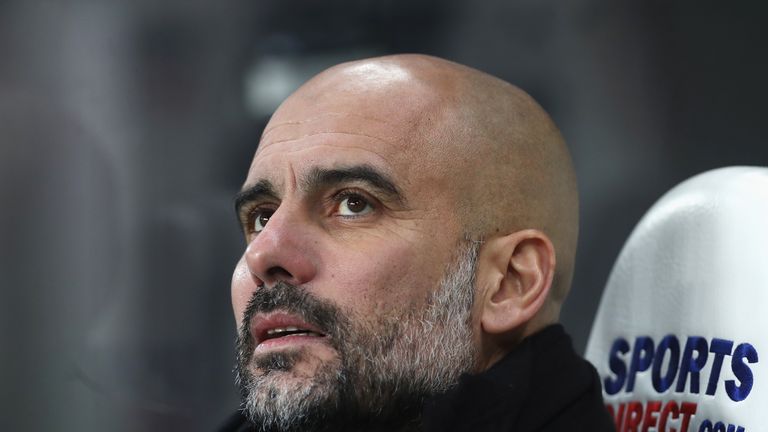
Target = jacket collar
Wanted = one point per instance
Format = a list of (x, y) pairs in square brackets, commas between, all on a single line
[(523, 391)]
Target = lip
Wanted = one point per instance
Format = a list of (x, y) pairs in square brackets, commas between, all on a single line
[(262, 323)]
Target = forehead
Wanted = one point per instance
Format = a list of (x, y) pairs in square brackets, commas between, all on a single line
[(336, 129), (326, 142), (388, 128)]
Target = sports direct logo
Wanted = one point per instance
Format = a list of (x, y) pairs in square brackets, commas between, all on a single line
[(675, 367)]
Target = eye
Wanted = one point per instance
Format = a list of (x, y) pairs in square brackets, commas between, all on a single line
[(260, 219), (354, 205)]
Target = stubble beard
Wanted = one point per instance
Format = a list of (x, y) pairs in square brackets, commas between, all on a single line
[(383, 372)]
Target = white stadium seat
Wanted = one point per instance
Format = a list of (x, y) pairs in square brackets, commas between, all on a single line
[(681, 336)]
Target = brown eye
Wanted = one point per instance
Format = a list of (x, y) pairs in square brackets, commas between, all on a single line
[(260, 219), (354, 205)]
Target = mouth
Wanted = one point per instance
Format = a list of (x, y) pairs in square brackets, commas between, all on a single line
[(283, 329)]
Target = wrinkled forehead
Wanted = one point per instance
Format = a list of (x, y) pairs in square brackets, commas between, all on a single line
[(333, 140), (392, 116), (337, 125), (378, 115), (383, 102)]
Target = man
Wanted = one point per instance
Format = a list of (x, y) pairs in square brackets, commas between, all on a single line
[(411, 226)]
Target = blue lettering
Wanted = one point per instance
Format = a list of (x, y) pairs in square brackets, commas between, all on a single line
[(742, 372), (721, 348), (667, 365), (671, 344), (642, 356), (690, 365), (707, 426), (617, 365)]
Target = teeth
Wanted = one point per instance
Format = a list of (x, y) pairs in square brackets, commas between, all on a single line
[(283, 330)]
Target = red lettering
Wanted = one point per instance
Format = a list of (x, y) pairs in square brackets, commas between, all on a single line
[(669, 408), (650, 418), (620, 417), (637, 416), (688, 409), (634, 416)]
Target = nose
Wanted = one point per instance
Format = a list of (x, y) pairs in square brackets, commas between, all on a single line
[(281, 252)]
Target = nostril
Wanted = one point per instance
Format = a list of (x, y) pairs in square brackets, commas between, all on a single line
[(278, 273)]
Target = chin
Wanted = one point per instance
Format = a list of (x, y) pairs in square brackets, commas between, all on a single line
[(288, 385)]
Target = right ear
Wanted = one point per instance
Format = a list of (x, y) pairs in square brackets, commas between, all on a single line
[(515, 274)]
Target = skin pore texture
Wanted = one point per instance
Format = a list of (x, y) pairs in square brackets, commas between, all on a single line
[(382, 192)]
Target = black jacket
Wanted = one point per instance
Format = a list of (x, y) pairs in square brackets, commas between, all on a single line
[(541, 386)]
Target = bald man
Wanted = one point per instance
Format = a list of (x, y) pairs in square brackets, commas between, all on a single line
[(410, 228)]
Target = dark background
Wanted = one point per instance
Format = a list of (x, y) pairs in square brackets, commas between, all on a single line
[(126, 128)]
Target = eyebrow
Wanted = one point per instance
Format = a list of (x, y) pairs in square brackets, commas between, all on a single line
[(319, 178), (262, 189)]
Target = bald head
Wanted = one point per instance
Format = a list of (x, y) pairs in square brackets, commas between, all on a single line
[(485, 142)]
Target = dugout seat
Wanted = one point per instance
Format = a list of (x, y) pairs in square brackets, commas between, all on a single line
[(680, 340)]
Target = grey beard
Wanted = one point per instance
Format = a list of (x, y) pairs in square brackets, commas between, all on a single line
[(385, 369)]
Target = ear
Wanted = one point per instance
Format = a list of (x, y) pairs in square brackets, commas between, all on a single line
[(517, 275)]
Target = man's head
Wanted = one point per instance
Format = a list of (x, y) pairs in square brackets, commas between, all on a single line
[(403, 215)]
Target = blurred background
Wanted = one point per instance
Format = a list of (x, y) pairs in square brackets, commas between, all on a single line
[(126, 127)]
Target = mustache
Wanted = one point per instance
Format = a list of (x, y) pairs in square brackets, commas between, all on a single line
[(295, 300)]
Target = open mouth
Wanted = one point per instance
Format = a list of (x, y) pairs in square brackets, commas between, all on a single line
[(288, 332), (282, 327)]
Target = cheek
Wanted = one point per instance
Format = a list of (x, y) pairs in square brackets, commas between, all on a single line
[(384, 278), (241, 290)]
